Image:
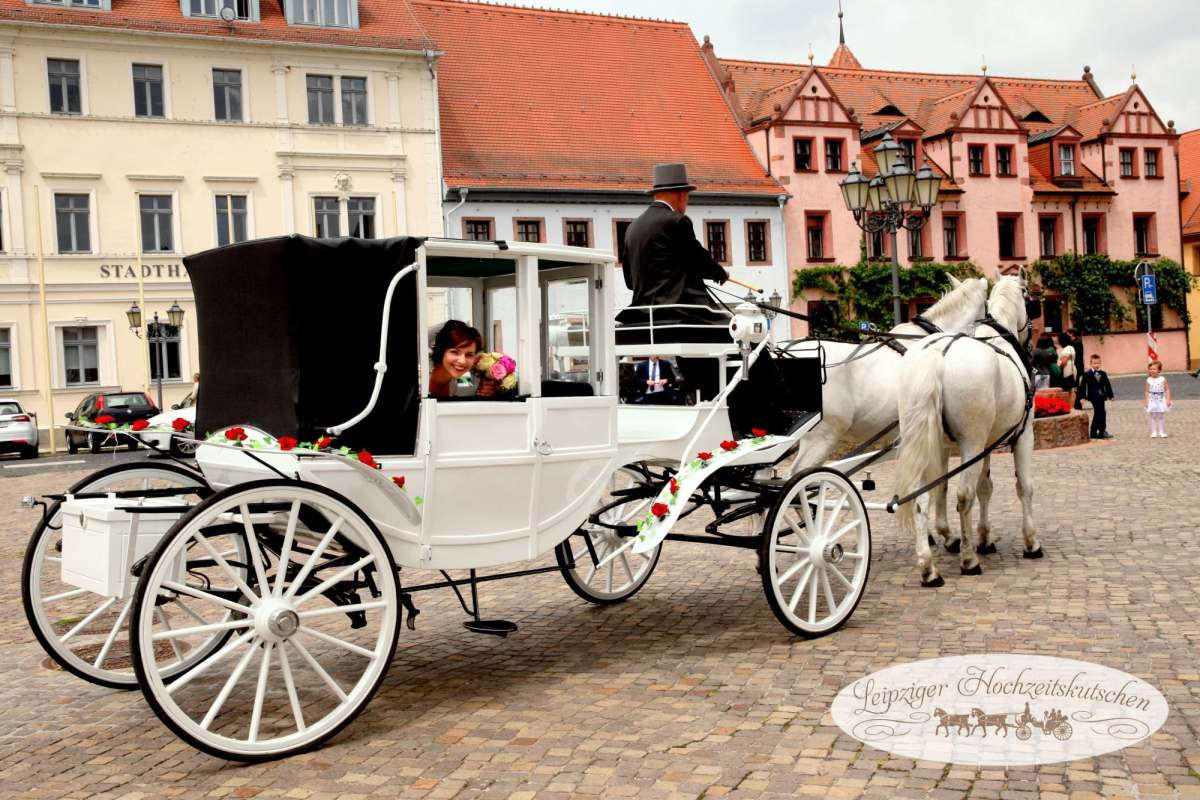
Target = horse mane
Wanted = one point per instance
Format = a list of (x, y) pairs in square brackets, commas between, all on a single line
[(1006, 302), (953, 302)]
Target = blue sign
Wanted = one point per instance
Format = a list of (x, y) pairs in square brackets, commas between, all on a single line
[(1149, 290), (864, 325)]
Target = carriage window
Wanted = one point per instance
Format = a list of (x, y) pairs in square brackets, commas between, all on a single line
[(567, 332)]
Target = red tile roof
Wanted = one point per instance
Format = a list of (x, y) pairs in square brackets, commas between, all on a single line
[(1040, 156), (843, 59), (533, 98), (388, 24), (1096, 118), (1189, 170)]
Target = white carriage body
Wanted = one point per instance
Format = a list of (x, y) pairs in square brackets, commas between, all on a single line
[(102, 540)]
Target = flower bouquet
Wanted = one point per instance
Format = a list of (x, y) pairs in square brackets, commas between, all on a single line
[(497, 374)]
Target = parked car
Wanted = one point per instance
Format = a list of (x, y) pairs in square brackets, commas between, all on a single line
[(161, 441), (18, 430), (123, 407)]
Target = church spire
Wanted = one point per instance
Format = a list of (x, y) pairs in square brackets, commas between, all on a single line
[(841, 31), (842, 57)]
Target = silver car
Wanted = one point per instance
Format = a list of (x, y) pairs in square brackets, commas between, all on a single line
[(18, 430)]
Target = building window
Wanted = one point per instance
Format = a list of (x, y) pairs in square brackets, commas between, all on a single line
[(1006, 228), (243, 9), (916, 248), (328, 222), (815, 236), (6, 373), (1066, 159), (156, 223), (327, 13), (529, 230), (81, 355), (757, 251), (1047, 235), (354, 101), (148, 91), (103, 5), (578, 232), (479, 230), (320, 99), (803, 155), (227, 94), (950, 236), (876, 245), (231, 219), (910, 153), (1127, 160), (1151, 158), (164, 357), (621, 227), (1092, 243), (976, 156), (1143, 234), (833, 155), (361, 213), (716, 234), (65, 94), (73, 221), (1004, 165)]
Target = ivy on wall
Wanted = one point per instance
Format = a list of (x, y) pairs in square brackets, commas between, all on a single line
[(1088, 283)]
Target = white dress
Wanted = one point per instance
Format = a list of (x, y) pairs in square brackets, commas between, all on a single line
[(1158, 395)]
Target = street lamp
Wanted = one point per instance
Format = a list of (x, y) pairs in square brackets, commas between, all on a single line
[(156, 335), (895, 198)]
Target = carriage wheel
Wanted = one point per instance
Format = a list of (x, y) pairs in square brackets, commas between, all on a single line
[(816, 552), (311, 642), (1063, 732), (1024, 732), (622, 577), (83, 632)]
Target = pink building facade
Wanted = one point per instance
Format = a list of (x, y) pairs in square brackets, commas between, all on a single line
[(1031, 168)]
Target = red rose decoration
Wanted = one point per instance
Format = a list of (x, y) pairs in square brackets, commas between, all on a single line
[(139, 425), (398, 480), (674, 486), (757, 433), (287, 442), (104, 419), (180, 424), (704, 455), (729, 445), (235, 434), (660, 510), (323, 442), (366, 458)]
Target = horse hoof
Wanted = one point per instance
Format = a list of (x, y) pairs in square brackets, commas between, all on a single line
[(986, 549), (954, 547), (975, 570), (1033, 553), (935, 583)]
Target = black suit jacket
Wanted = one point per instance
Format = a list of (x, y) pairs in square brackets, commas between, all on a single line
[(664, 261), (641, 372), (1096, 386)]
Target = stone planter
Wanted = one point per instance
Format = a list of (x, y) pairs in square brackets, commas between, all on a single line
[(1064, 430)]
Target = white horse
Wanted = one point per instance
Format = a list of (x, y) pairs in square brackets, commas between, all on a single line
[(976, 390)]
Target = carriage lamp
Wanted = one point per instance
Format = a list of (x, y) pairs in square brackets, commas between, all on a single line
[(175, 315), (896, 198)]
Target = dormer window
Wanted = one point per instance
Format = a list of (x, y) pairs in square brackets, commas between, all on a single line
[(244, 10), (325, 13), (95, 5), (1066, 160)]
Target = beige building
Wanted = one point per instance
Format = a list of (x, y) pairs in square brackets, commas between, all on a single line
[(133, 133)]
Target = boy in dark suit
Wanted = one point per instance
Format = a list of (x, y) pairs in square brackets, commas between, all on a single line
[(1096, 388), (656, 380)]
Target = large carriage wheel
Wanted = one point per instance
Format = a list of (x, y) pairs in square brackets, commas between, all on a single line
[(622, 577), (311, 642), (84, 633), (816, 552)]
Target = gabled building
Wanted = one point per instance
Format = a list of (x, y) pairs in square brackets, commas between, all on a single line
[(1031, 167), (552, 122), (1189, 173)]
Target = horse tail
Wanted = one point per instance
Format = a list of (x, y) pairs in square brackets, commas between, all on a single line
[(920, 429)]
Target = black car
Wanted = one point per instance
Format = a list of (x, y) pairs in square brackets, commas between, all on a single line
[(123, 407)]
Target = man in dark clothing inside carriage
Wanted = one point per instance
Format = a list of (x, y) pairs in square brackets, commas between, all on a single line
[(666, 265)]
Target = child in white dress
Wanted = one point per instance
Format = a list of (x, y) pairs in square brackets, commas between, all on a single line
[(1158, 400)]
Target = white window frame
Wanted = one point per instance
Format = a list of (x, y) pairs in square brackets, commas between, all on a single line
[(84, 107), (13, 356), (212, 207), (101, 5), (105, 358), (176, 227), (93, 227), (185, 368), (185, 7), (166, 77), (366, 77), (292, 12), (245, 72), (376, 211), (5, 228), (344, 212), (1062, 162), (337, 76)]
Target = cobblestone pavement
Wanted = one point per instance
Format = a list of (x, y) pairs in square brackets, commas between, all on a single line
[(692, 689)]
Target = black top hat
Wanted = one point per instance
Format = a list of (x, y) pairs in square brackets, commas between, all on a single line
[(671, 178)]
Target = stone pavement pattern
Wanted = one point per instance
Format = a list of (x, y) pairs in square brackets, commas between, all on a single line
[(692, 689)]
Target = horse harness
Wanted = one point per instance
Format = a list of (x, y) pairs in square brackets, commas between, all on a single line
[(888, 340)]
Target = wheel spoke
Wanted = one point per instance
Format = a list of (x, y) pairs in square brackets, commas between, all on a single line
[(317, 668), (608, 580), (628, 568), (260, 572), (223, 695), (788, 548), (105, 606), (320, 612), (112, 635), (837, 511), (837, 573), (806, 516), (314, 557), (596, 566), (852, 556), (54, 598), (793, 569), (200, 594), (819, 522), (800, 589), (260, 691), (842, 531), (158, 612), (828, 590), (812, 602), (199, 536), (53, 559), (285, 555), (179, 633), (333, 579), (210, 662), (336, 642), (290, 682), (188, 610)]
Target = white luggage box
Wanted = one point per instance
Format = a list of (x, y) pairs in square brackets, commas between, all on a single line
[(96, 541)]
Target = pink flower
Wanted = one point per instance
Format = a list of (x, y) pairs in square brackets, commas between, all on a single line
[(498, 371), (509, 365)]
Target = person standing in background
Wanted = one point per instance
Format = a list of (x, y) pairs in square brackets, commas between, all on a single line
[(1077, 343), (1158, 400), (1098, 390)]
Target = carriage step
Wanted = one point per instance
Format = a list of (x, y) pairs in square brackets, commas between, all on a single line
[(492, 627)]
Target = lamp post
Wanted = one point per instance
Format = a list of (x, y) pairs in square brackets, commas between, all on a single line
[(156, 336), (895, 198)]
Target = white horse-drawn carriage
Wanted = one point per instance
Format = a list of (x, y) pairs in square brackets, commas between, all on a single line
[(257, 596)]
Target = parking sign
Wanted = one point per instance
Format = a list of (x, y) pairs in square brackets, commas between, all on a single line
[(1149, 290)]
